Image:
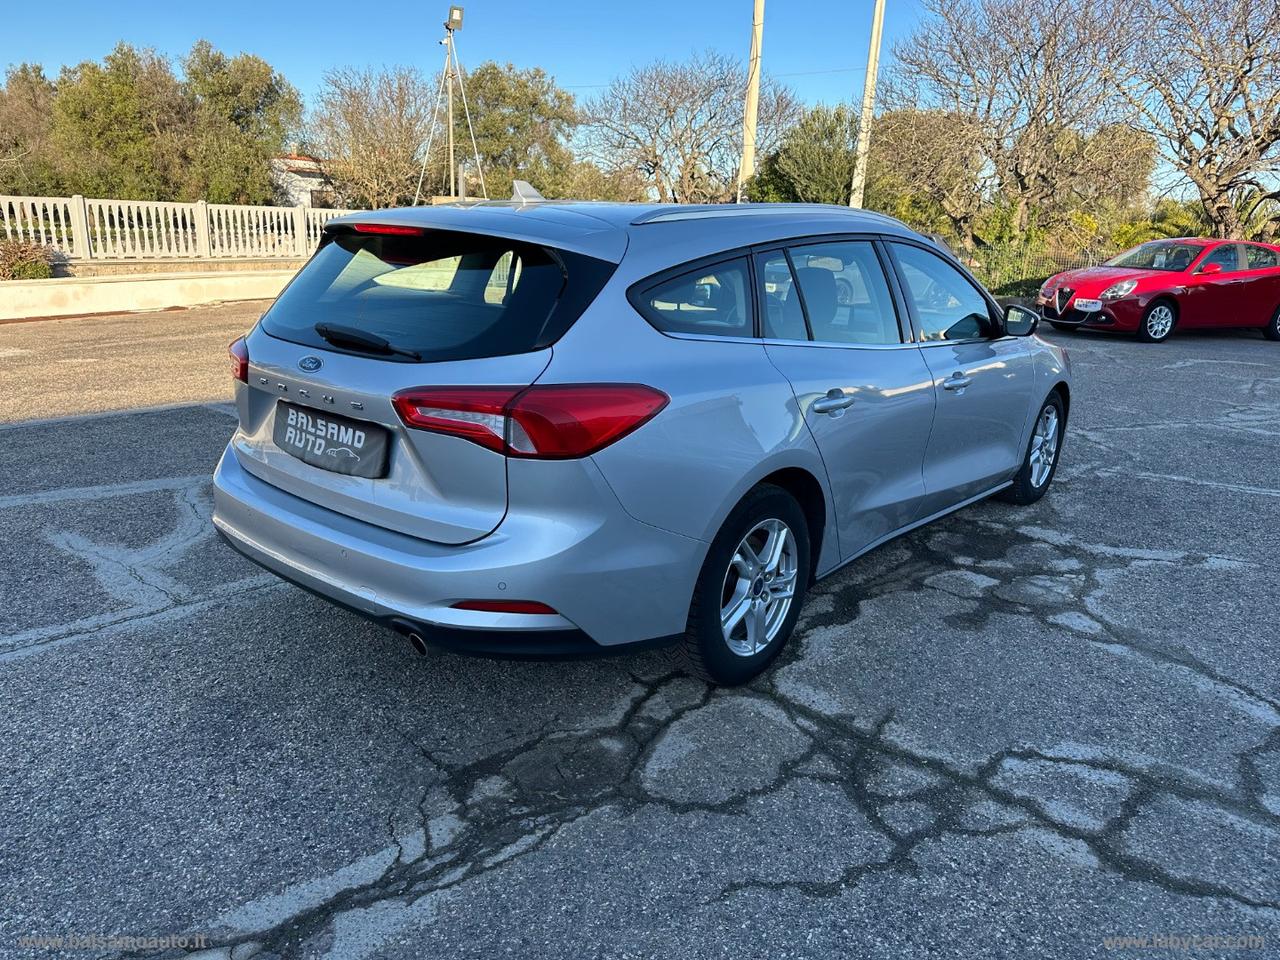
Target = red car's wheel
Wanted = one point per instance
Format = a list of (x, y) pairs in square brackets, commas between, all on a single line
[(1158, 321), (1272, 330)]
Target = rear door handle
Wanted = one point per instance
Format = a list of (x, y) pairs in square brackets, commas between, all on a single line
[(956, 382), (835, 401)]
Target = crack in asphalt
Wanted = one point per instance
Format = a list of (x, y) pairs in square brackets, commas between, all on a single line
[(474, 817), (571, 774)]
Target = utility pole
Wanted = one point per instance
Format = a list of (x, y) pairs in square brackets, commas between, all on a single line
[(448, 61), (747, 169), (868, 110)]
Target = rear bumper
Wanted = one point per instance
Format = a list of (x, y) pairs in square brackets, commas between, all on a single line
[(614, 581)]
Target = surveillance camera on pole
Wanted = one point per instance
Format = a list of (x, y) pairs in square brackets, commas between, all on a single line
[(452, 74)]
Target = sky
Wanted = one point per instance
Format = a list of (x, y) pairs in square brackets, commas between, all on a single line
[(818, 48)]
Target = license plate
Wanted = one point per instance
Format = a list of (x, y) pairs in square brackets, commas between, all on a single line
[(332, 442), (1087, 306)]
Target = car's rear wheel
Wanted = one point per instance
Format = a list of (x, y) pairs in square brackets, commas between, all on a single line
[(1158, 322), (1272, 330), (749, 593), (1041, 460)]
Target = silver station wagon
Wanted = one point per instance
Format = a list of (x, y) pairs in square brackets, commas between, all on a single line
[(558, 428)]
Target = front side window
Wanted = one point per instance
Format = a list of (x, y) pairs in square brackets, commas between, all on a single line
[(1226, 256), (712, 301), (845, 294), (947, 306), (1261, 258)]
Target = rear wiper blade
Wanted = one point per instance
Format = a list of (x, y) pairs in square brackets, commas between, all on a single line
[(340, 335)]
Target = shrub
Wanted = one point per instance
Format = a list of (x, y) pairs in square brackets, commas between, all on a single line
[(25, 260)]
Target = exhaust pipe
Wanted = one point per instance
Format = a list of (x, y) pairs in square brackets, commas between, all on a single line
[(419, 645)]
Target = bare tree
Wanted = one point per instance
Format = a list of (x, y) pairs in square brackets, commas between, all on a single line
[(679, 126), (368, 129), (1205, 78), (1026, 77), (928, 155)]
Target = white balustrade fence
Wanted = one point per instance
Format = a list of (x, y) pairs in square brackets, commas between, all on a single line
[(93, 229)]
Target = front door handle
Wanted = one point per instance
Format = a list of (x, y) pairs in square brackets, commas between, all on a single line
[(957, 381), (835, 401)]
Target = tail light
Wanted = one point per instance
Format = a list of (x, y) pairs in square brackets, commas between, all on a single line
[(542, 422), (239, 352)]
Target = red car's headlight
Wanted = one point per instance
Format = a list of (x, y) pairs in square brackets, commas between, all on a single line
[(1121, 289)]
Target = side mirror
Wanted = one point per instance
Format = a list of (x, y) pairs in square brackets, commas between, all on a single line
[(1209, 269), (1020, 321)]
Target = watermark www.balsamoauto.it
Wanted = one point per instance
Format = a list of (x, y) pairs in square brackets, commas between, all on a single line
[(1186, 942), (114, 941)]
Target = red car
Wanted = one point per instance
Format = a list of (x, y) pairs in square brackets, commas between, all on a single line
[(1184, 283)]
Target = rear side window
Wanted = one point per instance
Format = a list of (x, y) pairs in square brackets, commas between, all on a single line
[(438, 295), (1260, 258), (713, 300), (845, 294)]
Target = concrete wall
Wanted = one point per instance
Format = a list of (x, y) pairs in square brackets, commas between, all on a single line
[(133, 268), (71, 296)]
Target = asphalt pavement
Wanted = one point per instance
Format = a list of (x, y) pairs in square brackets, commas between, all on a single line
[(1020, 732)]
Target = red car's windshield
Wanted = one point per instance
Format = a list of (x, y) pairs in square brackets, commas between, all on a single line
[(1158, 255)]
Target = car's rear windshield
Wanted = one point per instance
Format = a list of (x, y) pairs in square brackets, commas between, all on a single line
[(1158, 255), (434, 295)]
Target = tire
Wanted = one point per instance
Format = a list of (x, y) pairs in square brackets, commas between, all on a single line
[(1025, 489), (1158, 321), (1061, 326), (704, 651), (1272, 330)]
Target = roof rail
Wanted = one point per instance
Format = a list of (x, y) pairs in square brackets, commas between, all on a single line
[(678, 212)]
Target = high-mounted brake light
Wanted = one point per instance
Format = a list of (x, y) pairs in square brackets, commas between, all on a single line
[(239, 353), (561, 421), (505, 606), (388, 229)]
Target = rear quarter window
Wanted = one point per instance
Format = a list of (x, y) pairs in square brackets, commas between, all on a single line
[(439, 295), (713, 301)]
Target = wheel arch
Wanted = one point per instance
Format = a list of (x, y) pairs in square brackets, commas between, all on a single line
[(809, 492), (1063, 389)]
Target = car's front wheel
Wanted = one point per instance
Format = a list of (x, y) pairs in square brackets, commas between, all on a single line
[(749, 593), (1041, 460), (1158, 322)]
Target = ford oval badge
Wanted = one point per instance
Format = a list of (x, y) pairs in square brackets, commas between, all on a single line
[(310, 364)]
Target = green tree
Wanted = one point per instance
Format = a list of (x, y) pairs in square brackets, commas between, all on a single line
[(131, 127), (243, 111), (121, 128), (814, 163), (523, 122), (26, 101)]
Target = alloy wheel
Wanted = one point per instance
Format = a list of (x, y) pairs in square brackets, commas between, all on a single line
[(759, 587), (1159, 321), (1044, 445)]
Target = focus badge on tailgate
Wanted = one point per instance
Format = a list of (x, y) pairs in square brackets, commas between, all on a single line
[(331, 442)]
